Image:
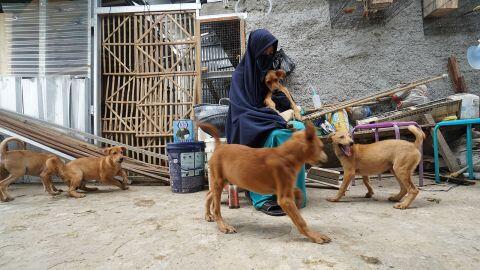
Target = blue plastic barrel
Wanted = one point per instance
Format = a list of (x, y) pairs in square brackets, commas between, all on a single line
[(186, 161)]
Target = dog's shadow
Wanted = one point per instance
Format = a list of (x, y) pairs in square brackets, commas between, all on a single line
[(101, 191), (264, 231), (279, 231)]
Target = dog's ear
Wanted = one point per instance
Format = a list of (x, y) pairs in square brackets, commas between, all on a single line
[(330, 137), (281, 73), (267, 81), (106, 151), (310, 132)]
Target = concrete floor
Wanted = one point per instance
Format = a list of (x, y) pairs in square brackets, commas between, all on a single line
[(150, 227)]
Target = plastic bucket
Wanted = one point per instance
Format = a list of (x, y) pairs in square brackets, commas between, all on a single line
[(470, 105), (187, 166)]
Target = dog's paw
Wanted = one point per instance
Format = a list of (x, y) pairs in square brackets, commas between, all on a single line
[(209, 218), (125, 188), (394, 199), (319, 238), (333, 199), (78, 195), (368, 195), (400, 206), (228, 229), (7, 199)]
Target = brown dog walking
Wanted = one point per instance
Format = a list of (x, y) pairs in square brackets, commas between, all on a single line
[(18, 163), (77, 172), (399, 156), (265, 171)]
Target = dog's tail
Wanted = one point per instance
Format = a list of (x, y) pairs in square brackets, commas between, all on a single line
[(210, 129), (55, 164), (4, 145), (419, 135)]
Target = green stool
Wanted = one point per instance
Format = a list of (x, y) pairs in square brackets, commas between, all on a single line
[(463, 122)]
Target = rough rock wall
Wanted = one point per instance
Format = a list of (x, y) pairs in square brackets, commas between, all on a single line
[(348, 63)]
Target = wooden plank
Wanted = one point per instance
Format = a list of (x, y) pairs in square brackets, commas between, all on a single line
[(379, 4), (322, 172), (322, 182), (243, 38), (197, 96), (438, 8), (458, 80), (445, 151)]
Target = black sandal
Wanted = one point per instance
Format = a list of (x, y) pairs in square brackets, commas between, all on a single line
[(271, 208)]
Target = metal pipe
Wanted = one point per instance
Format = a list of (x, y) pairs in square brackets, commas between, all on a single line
[(150, 8)]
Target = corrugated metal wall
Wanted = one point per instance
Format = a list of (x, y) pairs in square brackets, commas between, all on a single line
[(46, 37), (44, 61)]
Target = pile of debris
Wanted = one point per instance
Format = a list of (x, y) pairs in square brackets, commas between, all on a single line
[(404, 103)]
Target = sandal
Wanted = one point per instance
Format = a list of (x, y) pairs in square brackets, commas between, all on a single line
[(271, 208)]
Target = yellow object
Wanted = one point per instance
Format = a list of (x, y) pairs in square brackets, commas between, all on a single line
[(450, 118), (339, 120)]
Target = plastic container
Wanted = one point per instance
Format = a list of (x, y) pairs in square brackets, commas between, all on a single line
[(361, 112), (339, 120), (470, 105), (212, 114), (187, 166), (209, 148), (317, 103)]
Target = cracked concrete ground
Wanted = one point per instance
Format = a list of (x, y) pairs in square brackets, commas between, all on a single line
[(151, 227)]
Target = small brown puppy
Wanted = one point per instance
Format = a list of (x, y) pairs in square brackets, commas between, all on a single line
[(399, 156), (272, 80), (17, 163), (77, 172), (265, 171)]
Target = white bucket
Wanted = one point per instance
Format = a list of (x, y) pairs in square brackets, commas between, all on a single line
[(209, 147), (470, 105)]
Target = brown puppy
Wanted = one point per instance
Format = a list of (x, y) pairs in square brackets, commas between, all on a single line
[(272, 80), (78, 171), (17, 163), (399, 156), (265, 171)]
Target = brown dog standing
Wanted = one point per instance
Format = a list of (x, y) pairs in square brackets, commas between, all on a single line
[(399, 156), (103, 169), (265, 171), (18, 163), (272, 80)]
